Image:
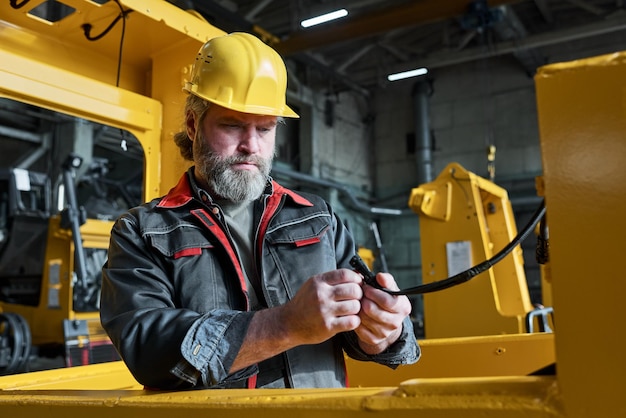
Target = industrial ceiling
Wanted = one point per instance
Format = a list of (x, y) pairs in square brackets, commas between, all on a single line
[(379, 37)]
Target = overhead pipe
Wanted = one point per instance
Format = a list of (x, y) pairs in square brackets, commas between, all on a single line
[(352, 199), (422, 90)]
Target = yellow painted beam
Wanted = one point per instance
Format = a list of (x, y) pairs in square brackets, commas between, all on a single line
[(95, 377), (494, 355), (582, 121), (108, 390)]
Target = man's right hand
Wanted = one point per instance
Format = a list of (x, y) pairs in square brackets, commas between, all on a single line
[(325, 305)]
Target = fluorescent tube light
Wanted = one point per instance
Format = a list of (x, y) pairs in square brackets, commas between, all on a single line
[(324, 18), (407, 74)]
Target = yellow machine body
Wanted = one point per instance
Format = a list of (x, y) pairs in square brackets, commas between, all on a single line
[(465, 220), (52, 65), (582, 120), (582, 123), (55, 301)]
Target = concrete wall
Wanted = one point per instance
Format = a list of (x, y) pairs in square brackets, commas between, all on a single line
[(474, 106), (335, 146), (342, 140)]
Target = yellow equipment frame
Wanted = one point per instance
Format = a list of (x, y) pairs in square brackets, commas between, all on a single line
[(463, 213), (52, 65)]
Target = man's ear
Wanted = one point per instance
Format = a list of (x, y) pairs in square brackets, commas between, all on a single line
[(190, 124)]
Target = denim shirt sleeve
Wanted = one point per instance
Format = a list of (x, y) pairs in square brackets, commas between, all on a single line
[(404, 350), (211, 346)]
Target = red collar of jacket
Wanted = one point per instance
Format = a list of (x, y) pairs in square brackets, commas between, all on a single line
[(182, 193)]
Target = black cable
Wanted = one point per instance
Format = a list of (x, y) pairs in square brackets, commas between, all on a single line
[(87, 30), (542, 250), (87, 26), (119, 62), (16, 5), (119, 53), (464, 276)]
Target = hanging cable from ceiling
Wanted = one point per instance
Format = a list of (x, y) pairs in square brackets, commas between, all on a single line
[(480, 19), (87, 27)]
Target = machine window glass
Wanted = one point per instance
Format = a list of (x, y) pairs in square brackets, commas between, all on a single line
[(105, 177)]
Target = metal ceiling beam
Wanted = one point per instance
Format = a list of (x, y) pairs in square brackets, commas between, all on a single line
[(412, 14), (232, 21), (448, 58), (313, 62), (354, 57), (511, 29), (251, 15)]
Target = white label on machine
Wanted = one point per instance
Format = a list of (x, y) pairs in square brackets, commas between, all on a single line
[(54, 284), (53, 298), (22, 181), (459, 254)]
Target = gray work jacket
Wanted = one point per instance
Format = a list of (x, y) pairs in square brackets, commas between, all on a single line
[(175, 300)]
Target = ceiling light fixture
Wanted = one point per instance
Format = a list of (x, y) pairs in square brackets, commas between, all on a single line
[(324, 18), (407, 74)]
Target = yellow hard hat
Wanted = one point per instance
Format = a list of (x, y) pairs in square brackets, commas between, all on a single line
[(239, 72)]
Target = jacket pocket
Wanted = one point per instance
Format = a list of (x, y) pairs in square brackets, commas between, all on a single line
[(295, 253), (180, 241), (302, 233)]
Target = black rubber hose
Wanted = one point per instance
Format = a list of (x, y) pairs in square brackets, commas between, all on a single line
[(461, 277)]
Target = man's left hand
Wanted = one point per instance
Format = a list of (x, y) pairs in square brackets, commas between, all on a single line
[(381, 316)]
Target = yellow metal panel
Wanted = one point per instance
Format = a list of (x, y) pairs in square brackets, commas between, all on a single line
[(63, 45), (150, 27), (171, 69), (39, 394), (21, 79), (173, 17), (460, 207), (433, 200), (498, 355), (171, 63), (104, 377), (96, 233), (582, 120)]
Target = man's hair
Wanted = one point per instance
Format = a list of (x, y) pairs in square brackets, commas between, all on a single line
[(199, 107)]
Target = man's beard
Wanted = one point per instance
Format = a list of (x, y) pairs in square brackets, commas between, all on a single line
[(228, 183)]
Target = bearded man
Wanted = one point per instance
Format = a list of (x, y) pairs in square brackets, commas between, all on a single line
[(231, 280)]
